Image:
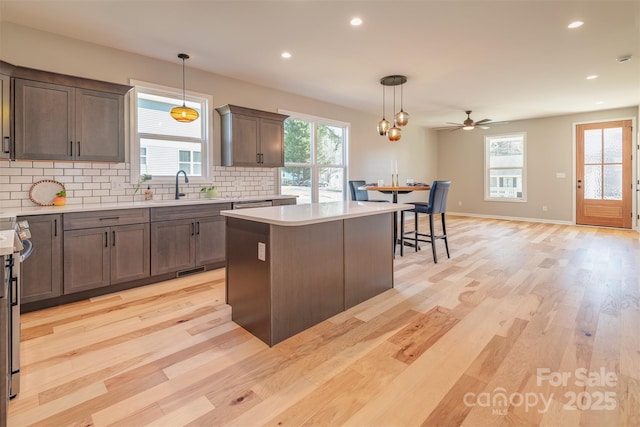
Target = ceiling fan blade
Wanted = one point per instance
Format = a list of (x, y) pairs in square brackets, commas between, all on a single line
[(483, 126), (457, 124), (482, 121), (455, 129)]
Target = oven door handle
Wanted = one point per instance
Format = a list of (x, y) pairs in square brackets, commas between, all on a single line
[(28, 249)]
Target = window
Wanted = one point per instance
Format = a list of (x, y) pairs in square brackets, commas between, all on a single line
[(315, 157), (505, 172), (162, 146)]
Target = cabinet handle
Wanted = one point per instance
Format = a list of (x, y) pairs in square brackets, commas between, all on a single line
[(261, 157), (113, 235), (108, 218), (71, 148), (55, 227), (8, 142), (78, 148), (193, 229), (106, 238), (198, 228)]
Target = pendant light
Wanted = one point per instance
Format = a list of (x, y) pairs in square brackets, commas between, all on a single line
[(401, 118), (383, 125), (184, 113), (394, 133)]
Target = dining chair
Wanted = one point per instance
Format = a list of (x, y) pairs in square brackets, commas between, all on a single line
[(361, 195), (437, 205)]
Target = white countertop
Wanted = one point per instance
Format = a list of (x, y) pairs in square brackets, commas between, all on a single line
[(295, 215), (44, 210)]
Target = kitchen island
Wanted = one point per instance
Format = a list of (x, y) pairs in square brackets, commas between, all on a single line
[(291, 267)]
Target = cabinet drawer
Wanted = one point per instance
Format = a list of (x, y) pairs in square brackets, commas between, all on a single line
[(79, 220), (188, 212)]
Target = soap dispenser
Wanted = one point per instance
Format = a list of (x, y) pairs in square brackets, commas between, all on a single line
[(148, 193)]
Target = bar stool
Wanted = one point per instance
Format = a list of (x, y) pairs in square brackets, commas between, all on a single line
[(361, 195), (437, 205)]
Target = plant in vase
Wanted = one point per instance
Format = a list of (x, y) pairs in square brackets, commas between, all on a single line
[(210, 191), (60, 199), (143, 178)]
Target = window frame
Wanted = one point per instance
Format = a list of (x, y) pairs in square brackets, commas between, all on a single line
[(207, 131), (487, 169), (315, 167)]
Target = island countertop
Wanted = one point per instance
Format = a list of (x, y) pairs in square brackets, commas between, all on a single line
[(296, 215)]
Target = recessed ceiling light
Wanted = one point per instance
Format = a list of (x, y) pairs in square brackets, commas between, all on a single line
[(285, 55), (575, 24), (356, 21), (592, 77)]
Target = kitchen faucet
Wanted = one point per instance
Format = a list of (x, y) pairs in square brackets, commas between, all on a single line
[(186, 180)]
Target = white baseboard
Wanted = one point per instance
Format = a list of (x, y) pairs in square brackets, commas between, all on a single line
[(511, 218)]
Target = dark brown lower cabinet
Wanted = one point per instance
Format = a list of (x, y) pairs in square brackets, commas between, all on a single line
[(187, 237), (98, 257), (172, 246), (42, 271)]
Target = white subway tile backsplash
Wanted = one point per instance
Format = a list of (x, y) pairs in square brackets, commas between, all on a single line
[(88, 182)]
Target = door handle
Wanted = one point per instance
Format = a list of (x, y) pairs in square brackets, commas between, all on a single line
[(71, 148), (113, 236), (78, 148), (106, 239), (579, 182)]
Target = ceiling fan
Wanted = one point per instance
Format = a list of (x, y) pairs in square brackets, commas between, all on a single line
[(469, 124)]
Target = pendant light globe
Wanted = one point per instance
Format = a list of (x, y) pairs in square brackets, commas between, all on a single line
[(383, 126), (394, 133), (183, 113), (402, 118)]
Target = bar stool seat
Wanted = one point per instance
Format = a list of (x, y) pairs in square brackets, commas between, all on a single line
[(437, 205)]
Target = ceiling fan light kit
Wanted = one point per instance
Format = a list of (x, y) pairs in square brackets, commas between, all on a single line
[(399, 119), (184, 113), (469, 124)]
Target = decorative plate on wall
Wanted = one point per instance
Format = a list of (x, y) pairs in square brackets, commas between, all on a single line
[(42, 192)]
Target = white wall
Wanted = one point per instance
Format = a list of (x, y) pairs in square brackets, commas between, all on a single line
[(550, 149), (369, 153)]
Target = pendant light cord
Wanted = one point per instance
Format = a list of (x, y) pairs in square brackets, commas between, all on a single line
[(183, 84)]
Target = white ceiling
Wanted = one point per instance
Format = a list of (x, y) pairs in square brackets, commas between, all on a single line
[(505, 60)]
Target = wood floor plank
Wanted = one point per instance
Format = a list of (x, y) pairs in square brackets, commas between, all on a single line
[(514, 298)]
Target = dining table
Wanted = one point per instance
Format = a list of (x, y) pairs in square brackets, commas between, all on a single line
[(394, 190)]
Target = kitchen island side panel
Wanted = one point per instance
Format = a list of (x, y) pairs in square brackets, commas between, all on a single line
[(307, 276), (247, 277), (368, 252)]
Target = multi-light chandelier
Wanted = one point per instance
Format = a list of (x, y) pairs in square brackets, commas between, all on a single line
[(184, 113), (400, 118)]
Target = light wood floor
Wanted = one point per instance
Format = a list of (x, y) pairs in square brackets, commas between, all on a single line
[(518, 306)]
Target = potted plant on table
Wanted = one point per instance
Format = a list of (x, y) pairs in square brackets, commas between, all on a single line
[(210, 191)]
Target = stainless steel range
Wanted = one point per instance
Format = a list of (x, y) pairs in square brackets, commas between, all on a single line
[(15, 247)]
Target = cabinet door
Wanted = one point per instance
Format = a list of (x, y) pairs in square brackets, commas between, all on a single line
[(86, 259), (210, 243), (172, 246), (244, 138), (44, 120), (99, 133), (271, 143), (42, 271), (5, 148), (129, 252)]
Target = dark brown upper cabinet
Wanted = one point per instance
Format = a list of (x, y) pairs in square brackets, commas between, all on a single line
[(251, 137), (59, 117)]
